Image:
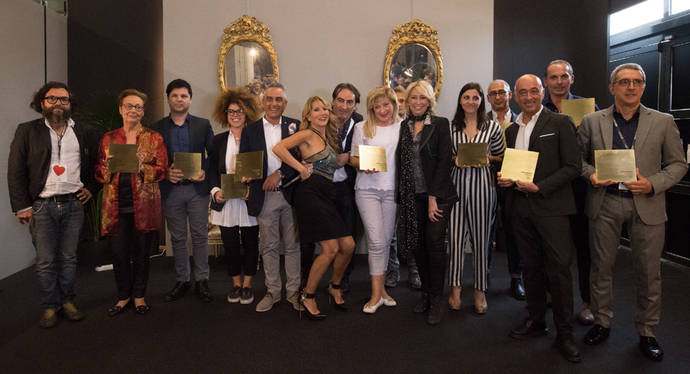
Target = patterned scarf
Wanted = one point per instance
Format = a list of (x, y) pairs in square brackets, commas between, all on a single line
[(407, 201)]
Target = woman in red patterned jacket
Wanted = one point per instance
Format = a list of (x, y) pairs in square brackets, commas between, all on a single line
[(131, 211)]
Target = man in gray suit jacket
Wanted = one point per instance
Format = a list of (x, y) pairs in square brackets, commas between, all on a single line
[(639, 204)]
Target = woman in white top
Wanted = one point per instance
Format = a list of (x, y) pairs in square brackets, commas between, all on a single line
[(375, 189), (234, 109)]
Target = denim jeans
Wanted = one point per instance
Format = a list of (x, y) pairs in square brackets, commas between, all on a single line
[(55, 235)]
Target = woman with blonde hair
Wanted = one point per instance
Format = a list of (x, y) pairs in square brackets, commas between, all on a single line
[(375, 189), (235, 108), (314, 199), (425, 192)]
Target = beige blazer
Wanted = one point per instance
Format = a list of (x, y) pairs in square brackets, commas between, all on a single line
[(658, 154)]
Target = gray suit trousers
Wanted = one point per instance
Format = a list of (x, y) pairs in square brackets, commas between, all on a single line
[(646, 242)]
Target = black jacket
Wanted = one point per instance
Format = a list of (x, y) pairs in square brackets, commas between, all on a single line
[(559, 163), (29, 161), (436, 157), (200, 141)]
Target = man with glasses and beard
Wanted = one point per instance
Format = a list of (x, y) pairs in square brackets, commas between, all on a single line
[(50, 177)]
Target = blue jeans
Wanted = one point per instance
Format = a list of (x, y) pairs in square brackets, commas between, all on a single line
[(55, 235)]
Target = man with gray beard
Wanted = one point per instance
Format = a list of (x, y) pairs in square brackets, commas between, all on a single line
[(50, 177)]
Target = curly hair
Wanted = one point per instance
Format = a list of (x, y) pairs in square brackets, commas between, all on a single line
[(331, 127), (243, 98), (40, 95)]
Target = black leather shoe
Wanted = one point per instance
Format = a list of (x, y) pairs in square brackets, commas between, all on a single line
[(203, 291), (116, 309), (423, 304), (142, 309), (597, 334), (435, 313), (345, 284), (414, 280), (567, 347), (651, 348), (517, 290), (178, 291), (529, 329)]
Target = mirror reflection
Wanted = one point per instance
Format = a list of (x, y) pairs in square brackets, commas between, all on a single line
[(411, 63), (248, 64)]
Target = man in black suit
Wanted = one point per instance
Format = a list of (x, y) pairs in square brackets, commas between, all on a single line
[(539, 211), (186, 198), (270, 197), (345, 100), (499, 95), (50, 177)]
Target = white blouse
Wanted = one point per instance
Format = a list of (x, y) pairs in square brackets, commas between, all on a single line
[(387, 137), (234, 211)]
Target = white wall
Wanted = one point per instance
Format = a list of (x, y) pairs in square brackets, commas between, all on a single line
[(21, 74), (321, 43)]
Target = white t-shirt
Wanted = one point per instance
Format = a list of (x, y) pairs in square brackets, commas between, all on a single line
[(387, 137)]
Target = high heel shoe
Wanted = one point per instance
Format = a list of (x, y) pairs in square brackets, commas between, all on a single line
[(314, 317), (480, 306), (331, 299)]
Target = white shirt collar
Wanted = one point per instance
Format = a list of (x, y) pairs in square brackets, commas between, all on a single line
[(70, 123)]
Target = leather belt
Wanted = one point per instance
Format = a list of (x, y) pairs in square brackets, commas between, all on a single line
[(614, 190), (62, 198)]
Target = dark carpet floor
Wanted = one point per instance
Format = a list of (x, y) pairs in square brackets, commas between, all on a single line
[(193, 337)]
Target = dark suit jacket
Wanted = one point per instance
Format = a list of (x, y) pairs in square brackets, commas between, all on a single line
[(490, 114), (351, 171), (200, 141), (559, 163), (436, 157), (253, 140), (29, 161)]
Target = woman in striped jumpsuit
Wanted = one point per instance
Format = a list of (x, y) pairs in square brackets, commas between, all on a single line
[(473, 214)]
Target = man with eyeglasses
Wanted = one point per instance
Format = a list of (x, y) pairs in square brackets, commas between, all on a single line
[(539, 213), (558, 79), (499, 95), (50, 175), (345, 99), (639, 204), (186, 199)]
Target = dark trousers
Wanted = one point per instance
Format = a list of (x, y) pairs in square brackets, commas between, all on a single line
[(346, 206), (580, 226), (430, 251), (546, 247), (241, 246), (130, 250), (505, 239)]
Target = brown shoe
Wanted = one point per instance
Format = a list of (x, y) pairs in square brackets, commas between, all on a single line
[(70, 311), (49, 319)]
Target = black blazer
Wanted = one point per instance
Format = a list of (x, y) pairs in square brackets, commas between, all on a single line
[(436, 157), (29, 161), (200, 141), (559, 163), (351, 171), (253, 140)]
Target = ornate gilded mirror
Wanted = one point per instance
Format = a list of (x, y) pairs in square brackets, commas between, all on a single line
[(247, 57), (413, 54)]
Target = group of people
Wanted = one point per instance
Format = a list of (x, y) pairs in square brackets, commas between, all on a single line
[(314, 188)]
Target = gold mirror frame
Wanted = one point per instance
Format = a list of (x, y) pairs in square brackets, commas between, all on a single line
[(414, 32), (245, 29)]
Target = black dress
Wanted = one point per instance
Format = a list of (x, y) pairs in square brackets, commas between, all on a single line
[(314, 200)]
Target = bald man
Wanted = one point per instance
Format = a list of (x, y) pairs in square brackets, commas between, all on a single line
[(539, 213)]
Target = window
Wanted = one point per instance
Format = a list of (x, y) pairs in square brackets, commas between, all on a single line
[(638, 15), (678, 6)]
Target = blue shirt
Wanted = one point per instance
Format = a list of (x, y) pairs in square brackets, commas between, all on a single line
[(628, 129), (552, 107), (179, 136)]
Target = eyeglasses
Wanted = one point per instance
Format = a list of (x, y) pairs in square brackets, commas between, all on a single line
[(54, 99), (497, 93), (234, 112), (626, 82), (137, 107)]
